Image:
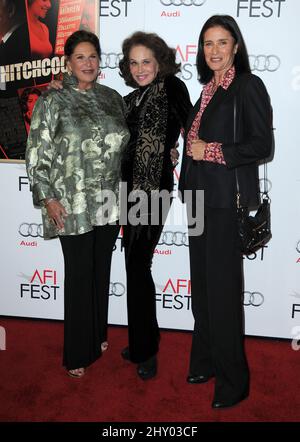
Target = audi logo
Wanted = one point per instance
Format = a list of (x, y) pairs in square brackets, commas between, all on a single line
[(169, 238), (265, 183), (116, 289), (110, 60), (261, 63), (33, 230), (256, 299), (298, 246), (182, 2)]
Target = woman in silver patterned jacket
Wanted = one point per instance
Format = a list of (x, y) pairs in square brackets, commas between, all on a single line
[(73, 157)]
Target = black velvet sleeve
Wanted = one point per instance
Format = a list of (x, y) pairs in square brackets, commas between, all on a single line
[(179, 99), (179, 106), (254, 125)]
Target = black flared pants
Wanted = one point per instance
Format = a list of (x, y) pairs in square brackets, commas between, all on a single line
[(87, 273), (143, 332), (217, 285)]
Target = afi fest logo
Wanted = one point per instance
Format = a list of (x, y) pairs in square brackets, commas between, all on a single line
[(186, 54), (23, 183), (260, 8), (175, 294), (41, 285), (295, 305), (115, 8)]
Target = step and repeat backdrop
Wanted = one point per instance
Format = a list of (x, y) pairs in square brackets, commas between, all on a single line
[(31, 269)]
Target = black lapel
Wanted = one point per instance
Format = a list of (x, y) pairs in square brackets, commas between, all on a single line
[(192, 115), (220, 95)]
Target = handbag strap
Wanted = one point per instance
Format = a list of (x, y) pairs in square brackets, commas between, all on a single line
[(238, 194)]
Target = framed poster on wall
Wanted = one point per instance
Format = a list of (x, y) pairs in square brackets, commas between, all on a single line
[(32, 38)]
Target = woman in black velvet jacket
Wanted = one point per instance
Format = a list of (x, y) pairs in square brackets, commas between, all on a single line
[(228, 132), (156, 111)]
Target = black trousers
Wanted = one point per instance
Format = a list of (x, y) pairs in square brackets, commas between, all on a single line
[(87, 273), (143, 332), (217, 285)]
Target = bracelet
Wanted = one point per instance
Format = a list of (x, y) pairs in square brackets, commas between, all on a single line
[(48, 200)]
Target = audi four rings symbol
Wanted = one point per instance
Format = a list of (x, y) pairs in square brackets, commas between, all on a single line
[(265, 183), (169, 238), (298, 247), (110, 60), (261, 63), (182, 2), (256, 299), (116, 289), (33, 230)]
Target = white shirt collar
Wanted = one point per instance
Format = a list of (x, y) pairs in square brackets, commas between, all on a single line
[(8, 34)]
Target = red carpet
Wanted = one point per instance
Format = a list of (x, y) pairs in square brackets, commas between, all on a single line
[(35, 387)]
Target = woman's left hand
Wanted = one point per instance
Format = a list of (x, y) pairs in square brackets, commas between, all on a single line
[(56, 212), (55, 84), (197, 149)]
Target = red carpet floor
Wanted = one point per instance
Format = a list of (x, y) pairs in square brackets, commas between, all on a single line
[(35, 387)]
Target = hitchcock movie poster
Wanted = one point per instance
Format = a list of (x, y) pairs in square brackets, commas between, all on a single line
[(32, 37)]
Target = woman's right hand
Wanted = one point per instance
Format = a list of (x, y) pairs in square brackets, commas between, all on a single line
[(56, 212), (198, 149), (55, 84)]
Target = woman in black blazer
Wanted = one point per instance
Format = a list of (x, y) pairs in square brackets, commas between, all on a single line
[(229, 130)]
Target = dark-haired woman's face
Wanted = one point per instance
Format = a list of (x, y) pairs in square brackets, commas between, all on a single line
[(219, 49), (40, 7), (143, 65), (4, 18), (84, 64)]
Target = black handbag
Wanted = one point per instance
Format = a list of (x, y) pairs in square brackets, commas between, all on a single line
[(254, 231)]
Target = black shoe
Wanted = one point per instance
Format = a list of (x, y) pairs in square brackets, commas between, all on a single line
[(198, 378), (125, 354), (148, 369), (226, 404)]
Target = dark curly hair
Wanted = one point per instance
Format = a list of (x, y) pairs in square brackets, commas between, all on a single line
[(25, 94), (164, 55), (81, 37), (241, 60), (14, 9)]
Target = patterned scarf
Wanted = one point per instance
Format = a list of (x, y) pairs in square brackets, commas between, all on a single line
[(150, 146)]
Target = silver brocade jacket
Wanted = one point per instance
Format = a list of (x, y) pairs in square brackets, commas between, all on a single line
[(74, 153)]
